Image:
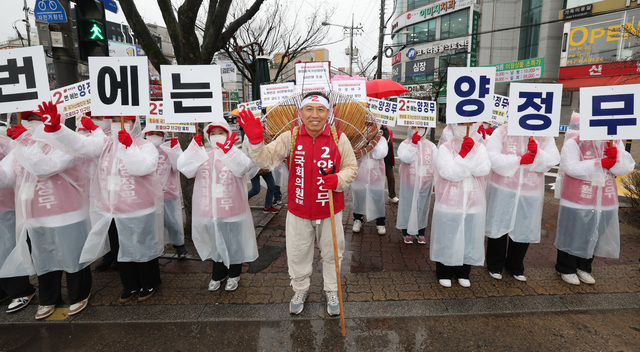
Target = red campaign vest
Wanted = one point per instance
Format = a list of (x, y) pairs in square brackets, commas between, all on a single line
[(584, 192), (305, 198)]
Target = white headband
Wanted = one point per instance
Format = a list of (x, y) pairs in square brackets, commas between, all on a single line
[(318, 99)]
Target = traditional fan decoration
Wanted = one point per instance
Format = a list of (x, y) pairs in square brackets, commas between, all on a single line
[(348, 115)]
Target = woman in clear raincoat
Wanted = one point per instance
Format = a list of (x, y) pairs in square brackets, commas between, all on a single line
[(167, 171), (457, 226), (18, 288), (416, 183), (222, 224), (125, 189), (368, 189), (588, 222), (516, 197), (52, 210)]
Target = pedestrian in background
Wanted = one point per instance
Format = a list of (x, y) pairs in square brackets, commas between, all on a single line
[(389, 164), (368, 189)]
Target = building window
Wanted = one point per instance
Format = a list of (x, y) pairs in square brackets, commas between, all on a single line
[(454, 24), (455, 60), (424, 32), (412, 4), (530, 33)]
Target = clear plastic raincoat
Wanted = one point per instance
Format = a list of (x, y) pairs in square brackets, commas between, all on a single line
[(588, 223), (516, 192), (368, 186), (7, 210), (416, 183), (125, 188), (222, 224), (457, 227)]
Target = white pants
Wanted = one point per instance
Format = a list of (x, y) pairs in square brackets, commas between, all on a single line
[(300, 236)]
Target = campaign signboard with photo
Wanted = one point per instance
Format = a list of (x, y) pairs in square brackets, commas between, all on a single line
[(500, 112), (156, 122), (191, 93), (534, 109), (384, 111), (73, 100), (272, 94), (470, 94), (254, 106), (611, 112), (24, 82), (119, 85), (417, 113), (355, 89)]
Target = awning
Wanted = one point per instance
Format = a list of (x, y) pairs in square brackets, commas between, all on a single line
[(577, 83)]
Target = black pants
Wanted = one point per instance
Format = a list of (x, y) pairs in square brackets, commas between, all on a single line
[(379, 221), (449, 272), (16, 287), (568, 264), (391, 180), (136, 276), (112, 255), (500, 257), (420, 232), (50, 286), (220, 271)]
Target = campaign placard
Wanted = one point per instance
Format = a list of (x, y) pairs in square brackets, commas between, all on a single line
[(417, 113), (120, 85), (24, 82), (610, 112), (316, 87), (272, 94), (534, 109), (73, 100), (500, 110), (355, 89), (254, 106), (470, 94), (312, 73), (384, 111), (156, 122), (191, 93)]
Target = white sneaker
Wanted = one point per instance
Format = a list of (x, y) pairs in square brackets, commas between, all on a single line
[(19, 303), (357, 226), (297, 302), (232, 284), (333, 304), (394, 200), (570, 279), (214, 285), (445, 282), (464, 282), (381, 230), (585, 277), (520, 278), (497, 276)]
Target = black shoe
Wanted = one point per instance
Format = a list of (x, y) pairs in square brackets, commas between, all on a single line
[(181, 251), (105, 263), (145, 294), (127, 295)]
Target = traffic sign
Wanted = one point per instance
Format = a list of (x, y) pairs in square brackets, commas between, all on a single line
[(49, 11), (110, 5)]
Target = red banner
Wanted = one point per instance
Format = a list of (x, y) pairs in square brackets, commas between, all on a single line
[(604, 69)]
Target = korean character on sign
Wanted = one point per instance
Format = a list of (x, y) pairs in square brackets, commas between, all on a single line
[(192, 90), (619, 105), (505, 102), (10, 75), (536, 101), (82, 90), (466, 87), (497, 101)]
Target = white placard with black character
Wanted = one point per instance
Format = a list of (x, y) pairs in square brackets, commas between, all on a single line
[(24, 82), (611, 112), (534, 109), (191, 93), (470, 94), (119, 85)]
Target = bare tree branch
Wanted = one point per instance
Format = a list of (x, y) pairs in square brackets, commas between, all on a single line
[(143, 35)]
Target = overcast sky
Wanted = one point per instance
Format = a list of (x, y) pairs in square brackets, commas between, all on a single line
[(366, 12)]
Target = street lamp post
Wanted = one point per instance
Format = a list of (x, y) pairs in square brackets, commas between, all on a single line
[(351, 30)]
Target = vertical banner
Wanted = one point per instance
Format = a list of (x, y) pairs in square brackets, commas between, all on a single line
[(72, 100), (470, 94), (191, 93), (499, 113), (610, 112), (417, 113), (534, 109), (355, 89), (119, 85), (24, 82), (384, 111)]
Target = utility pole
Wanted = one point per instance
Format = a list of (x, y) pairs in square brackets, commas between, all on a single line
[(27, 24), (380, 40), (351, 47)]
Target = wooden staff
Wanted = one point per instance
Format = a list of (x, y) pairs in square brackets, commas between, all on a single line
[(468, 127), (19, 118), (122, 123), (335, 249)]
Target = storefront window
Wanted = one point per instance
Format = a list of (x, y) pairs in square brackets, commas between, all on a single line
[(454, 24), (529, 34), (455, 60)]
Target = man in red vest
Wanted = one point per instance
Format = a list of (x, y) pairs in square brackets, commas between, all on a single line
[(307, 149)]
